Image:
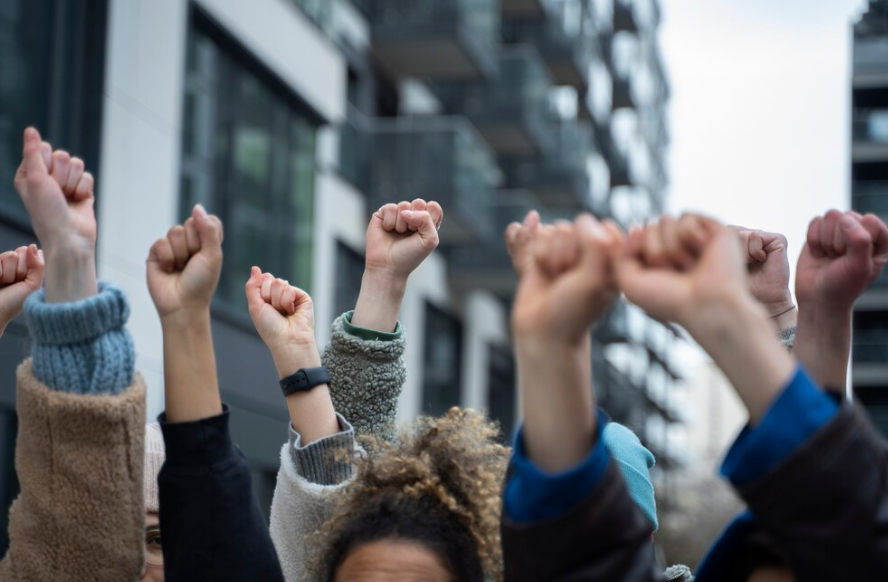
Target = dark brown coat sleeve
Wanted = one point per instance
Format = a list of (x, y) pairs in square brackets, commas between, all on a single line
[(81, 512), (604, 538), (826, 506)]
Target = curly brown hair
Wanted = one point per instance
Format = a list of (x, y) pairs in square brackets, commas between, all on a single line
[(439, 483)]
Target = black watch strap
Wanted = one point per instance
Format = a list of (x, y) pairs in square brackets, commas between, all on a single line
[(304, 379)]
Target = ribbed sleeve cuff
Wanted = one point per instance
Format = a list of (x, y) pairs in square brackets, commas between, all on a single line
[(325, 461), (373, 344), (369, 334), (198, 445), (79, 321)]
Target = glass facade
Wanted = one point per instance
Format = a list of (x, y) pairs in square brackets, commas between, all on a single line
[(248, 156), (51, 77), (349, 273), (442, 361), (501, 396)]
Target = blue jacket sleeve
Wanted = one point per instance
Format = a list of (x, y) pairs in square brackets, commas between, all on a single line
[(800, 410), (532, 495)]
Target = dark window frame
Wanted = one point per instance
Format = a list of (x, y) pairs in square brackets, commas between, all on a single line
[(434, 401)]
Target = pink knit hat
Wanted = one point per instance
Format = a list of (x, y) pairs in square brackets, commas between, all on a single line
[(155, 454)]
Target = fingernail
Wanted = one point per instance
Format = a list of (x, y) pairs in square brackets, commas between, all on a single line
[(848, 223), (407, 213)]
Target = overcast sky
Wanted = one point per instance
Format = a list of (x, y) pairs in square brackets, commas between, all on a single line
[(759, 113)]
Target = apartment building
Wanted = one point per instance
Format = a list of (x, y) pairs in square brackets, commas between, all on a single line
[(869, 193), (293, 120)]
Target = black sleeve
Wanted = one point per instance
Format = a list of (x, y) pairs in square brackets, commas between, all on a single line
[(603, 538), (211, 525), (826, 506)]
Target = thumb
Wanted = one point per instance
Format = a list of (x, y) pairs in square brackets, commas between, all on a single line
[(422, 221), (253, 291), (209, 230), (36, 268), (32, 157)]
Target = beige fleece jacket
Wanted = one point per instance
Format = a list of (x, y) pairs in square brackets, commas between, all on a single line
[(81, 512)]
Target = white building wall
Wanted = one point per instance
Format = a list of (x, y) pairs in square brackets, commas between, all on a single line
[(486, 322)]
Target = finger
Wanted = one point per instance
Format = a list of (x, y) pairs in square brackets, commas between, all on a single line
[(61, 166), (828, 232), (511, 236), (288, 300), (856, 215), (423, 224), (654, 250), (176, 236), (590, 235), (418, 205), (74, 175), (565, 252), (21, 263), (36, 267), (634, 243), (673, 249), (389, 216), (692, 233), (400, 224), (858, 242), (192, 238), (755, 247), (879, 234), (209, 230), (161, 254), (46, 152), (813, 239), (278, 287), (32, 158), (436, 212), (85, 187), (8, 266), (267, 282)]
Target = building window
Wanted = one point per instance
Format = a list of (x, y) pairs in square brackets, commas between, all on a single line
[(248, 155), (51, 74), (349, 273), (442, 361), (502, 389)]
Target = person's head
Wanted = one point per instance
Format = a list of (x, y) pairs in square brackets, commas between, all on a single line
[(426, 508), (155, 454)]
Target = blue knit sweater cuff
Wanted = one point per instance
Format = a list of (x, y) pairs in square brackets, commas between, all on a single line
[(82, 347)]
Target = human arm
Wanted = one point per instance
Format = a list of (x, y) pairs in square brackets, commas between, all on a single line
[(205, 484), (364, 354), (843, 254)]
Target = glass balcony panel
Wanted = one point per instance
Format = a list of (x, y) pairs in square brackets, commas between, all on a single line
[(437, 158), (871, 126), (870, 196), (870, 54), (446, 40)]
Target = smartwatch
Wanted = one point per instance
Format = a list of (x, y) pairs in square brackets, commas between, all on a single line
[(304, 379)]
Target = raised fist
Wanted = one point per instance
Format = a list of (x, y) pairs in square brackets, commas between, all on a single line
[(184, 266), (58, 195), (21, 273), (768, 268), (682, 271), (400, 237), (520, 238), (569, 282), (843, 255)]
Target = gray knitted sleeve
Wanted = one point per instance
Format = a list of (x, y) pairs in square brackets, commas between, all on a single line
[(324, 461), (366, 378)]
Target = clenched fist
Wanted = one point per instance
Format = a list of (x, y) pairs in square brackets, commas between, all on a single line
[(21, 273), (400, 236), (184, 266)]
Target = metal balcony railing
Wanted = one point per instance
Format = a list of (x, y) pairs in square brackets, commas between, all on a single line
[(437, 158), (448, 40), (567, 53)]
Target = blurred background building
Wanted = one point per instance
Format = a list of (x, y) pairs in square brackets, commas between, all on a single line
[(294, 120), (869, 193)]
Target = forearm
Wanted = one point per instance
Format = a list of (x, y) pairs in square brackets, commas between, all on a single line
[(741, 341), (70, 275), (823, 346), (379, 301), (555, 383), (190, 382), (311, 412)]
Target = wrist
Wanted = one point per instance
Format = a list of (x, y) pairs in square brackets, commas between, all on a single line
[(293, 356), (379, 300), (185, 319), (70, 274)]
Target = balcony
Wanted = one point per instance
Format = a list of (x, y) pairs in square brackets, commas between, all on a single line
[(625, 17), (437, 158), (618, 163), (871, 55), (870, 135), (560, 179), (490, 267), (355, 146), (522, 8), (566, 52), (440, 40), (870, 196), (512, 110)]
